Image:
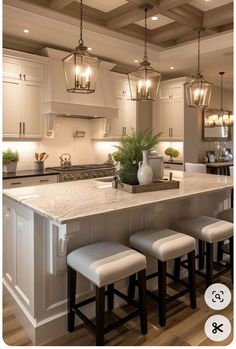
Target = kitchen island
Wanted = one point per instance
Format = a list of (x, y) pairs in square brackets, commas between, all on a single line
[(43, 223)]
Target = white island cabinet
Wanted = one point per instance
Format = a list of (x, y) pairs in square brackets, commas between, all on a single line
[(43, 223)]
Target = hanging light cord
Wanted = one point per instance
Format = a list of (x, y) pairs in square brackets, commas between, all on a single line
[(145, 58), (198, 56), (221, 90), (81, 41)]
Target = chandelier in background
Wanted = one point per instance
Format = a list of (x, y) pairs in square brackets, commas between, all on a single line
[(220, 117)]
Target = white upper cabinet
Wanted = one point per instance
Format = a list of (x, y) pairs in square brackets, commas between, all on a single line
[(23, 96), (168, 111)]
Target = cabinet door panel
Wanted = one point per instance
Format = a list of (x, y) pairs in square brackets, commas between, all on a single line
[(164, 118), (33, 71), (116, 123), (177, 91), (165, 92), (177, 118), (12, 107), (8, 245), (24, 255), (12, 68), (130, 116), (33, 97)]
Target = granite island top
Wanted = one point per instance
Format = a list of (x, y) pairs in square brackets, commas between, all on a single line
[(27, 173), (68, 201)]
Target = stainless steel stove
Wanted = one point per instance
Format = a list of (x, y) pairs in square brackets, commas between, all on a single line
[(78, 172)]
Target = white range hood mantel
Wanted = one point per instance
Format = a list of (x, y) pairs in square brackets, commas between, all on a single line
[(59, 102)]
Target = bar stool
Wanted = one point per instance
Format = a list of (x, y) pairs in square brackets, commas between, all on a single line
[(165, 245), (105, 263), (222, 247), (208, 230)]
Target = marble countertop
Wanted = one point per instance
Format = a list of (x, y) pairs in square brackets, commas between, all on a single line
[(68, 201), (27, 173)]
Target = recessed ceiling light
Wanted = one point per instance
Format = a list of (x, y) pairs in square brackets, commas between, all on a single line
[(172, 68), (26, 31), (136, 61), (89, 48), (207, 0), (154, 18)]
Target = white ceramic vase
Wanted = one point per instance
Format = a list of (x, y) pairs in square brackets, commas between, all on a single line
[(145, 171)]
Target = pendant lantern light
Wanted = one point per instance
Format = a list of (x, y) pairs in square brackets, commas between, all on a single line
[(81, 67), (147, 79), (198, 91)]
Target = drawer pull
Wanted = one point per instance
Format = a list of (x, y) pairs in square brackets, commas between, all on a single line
[(15, 183), (44, 180)]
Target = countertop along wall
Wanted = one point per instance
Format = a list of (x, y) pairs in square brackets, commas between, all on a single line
[(81, 149)]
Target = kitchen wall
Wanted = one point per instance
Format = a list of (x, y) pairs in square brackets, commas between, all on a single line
[(82, 150)]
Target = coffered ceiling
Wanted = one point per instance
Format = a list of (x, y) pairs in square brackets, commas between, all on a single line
[(122, 23)]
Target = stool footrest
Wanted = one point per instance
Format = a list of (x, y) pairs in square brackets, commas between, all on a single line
[(112, 326), (225, 268)]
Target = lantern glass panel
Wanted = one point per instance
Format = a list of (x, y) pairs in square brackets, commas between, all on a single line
[(198, 93), (81, 70), (147, 83)]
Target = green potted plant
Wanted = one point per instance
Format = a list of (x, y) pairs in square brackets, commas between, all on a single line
[(172, 153), (10, 159), (129, 153)]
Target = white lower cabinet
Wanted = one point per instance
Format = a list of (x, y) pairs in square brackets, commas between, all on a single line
[(29, 181)]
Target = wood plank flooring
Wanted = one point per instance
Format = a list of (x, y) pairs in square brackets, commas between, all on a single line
[(185, 326)]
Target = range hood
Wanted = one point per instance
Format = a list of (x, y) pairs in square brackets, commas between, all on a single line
[(59, 102), (81, 111)]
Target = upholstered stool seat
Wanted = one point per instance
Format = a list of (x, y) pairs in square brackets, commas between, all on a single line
[(208, 230), (165, 245), (104, 263)]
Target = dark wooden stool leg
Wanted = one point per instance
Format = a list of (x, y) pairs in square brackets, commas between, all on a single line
[(162, 292), (231, 251), (100, 315), (209, 263), (110, 297), (71, 279), (201, 250), (192, 279), (177, 269), (219, 252), (131, 289), (142, 300)]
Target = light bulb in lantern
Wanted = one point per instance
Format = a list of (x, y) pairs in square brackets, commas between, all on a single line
[(140, 86), (147, 85), (198, 92)]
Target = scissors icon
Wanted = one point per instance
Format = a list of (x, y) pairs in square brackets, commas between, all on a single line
[(216, 328)]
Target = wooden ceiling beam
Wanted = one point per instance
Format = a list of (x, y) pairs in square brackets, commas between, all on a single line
[(170, 4), (59, 4), (182, 16), (168, 32), (129, 17), (218, 16)]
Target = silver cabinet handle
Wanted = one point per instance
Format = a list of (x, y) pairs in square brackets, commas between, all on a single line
[(44, 180), (23, 128), (20, 75), (20, 128), (15, 183), (24, 76)]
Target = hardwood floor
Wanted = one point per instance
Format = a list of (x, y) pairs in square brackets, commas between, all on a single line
[(185, 326)]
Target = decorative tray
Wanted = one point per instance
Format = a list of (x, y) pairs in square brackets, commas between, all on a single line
[(134, 189)]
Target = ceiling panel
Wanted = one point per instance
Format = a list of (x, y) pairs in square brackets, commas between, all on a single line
[(206, 5), (104, 5), (162, 20)]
